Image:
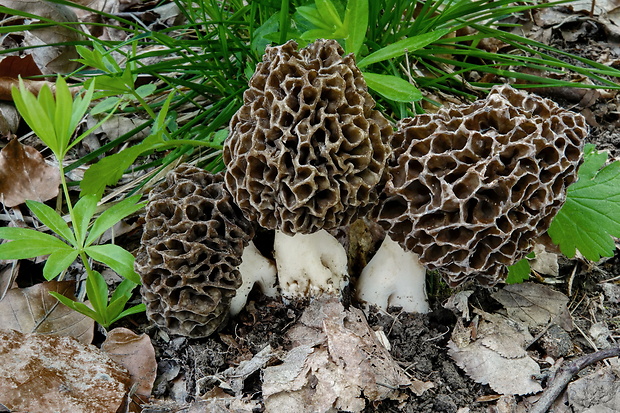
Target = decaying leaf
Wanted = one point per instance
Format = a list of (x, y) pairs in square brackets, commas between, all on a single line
[(44, 373), (233, 378), (535, 304), (595, 393), (24, 175), (136, 354), (496, 354), (54, 58), (322, 373), (34, 310)]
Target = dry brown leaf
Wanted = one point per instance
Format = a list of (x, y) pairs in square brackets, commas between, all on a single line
[(45, 373), (323, 374), (136, 354), (7, 83), (497, 357), (34, 310), (8, 274), (15, 66), (24, 175), (535, 304), (595, 393), (9, 119), (52, 59)]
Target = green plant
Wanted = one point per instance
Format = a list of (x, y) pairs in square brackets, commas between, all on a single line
[(55, 120), (589, 218)]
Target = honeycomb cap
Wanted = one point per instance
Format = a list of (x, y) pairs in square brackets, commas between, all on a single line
[(472, 187), (191, 249), (306, 150)]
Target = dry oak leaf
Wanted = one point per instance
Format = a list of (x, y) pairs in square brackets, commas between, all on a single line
[(45, 373), (337, 363), (41, 43), (535, 305), (497, 356), (136, 354), (24, 175), (34, 310)]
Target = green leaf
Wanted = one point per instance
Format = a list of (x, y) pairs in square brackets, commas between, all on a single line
[(591, 214), (356, 25), (36, 117), (80, 106), (49, 217), (29, 234), (146, 90), (105, 105), (22, 248), (328, 13), (401, 47), (392, 87), (113, 215), (83, 212), (115, 257), (518, 272), (311, 14), (124, 289), (59, 261), (140, 308), (79, 307), (108, 170), (63, 112), (97, 293)]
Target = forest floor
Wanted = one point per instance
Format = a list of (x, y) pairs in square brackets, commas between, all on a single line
[(576, 312)]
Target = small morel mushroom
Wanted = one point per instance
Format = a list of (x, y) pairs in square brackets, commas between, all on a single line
[(306, 152), (192, 244), (472, 187)]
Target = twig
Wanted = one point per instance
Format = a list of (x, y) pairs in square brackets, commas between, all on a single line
[(566, 373)]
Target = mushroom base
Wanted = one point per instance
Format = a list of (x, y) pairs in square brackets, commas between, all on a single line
[(310, 265), (394, 277)]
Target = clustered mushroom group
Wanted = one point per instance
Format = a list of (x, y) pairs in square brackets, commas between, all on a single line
[(465, 191)]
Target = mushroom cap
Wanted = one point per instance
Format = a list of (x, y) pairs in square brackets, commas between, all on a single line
[(193, 239), (472, 187), (306, 150)]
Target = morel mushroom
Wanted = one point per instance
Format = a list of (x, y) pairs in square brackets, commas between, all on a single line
[(192, 244), (472, 187), (306, 152)]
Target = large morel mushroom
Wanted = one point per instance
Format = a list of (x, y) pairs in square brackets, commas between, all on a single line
[(307, 149), (472, 187), (192, 244), (306, 153)]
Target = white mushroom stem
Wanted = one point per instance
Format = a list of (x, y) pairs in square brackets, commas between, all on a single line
[(254, 269), (394, 277), (310, 265)]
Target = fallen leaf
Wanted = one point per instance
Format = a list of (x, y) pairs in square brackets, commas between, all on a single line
[(24, 175), (595, 393), (136, 354), (535, 304), (34, 86), (234, 378), (9, 119), (34, 310), (8, 274), (15, 66), (43, 43), (45, 373), (321, 373), (497, 357)]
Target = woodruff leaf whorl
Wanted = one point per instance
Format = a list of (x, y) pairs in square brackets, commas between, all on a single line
[(306, 150), (471, 187)]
